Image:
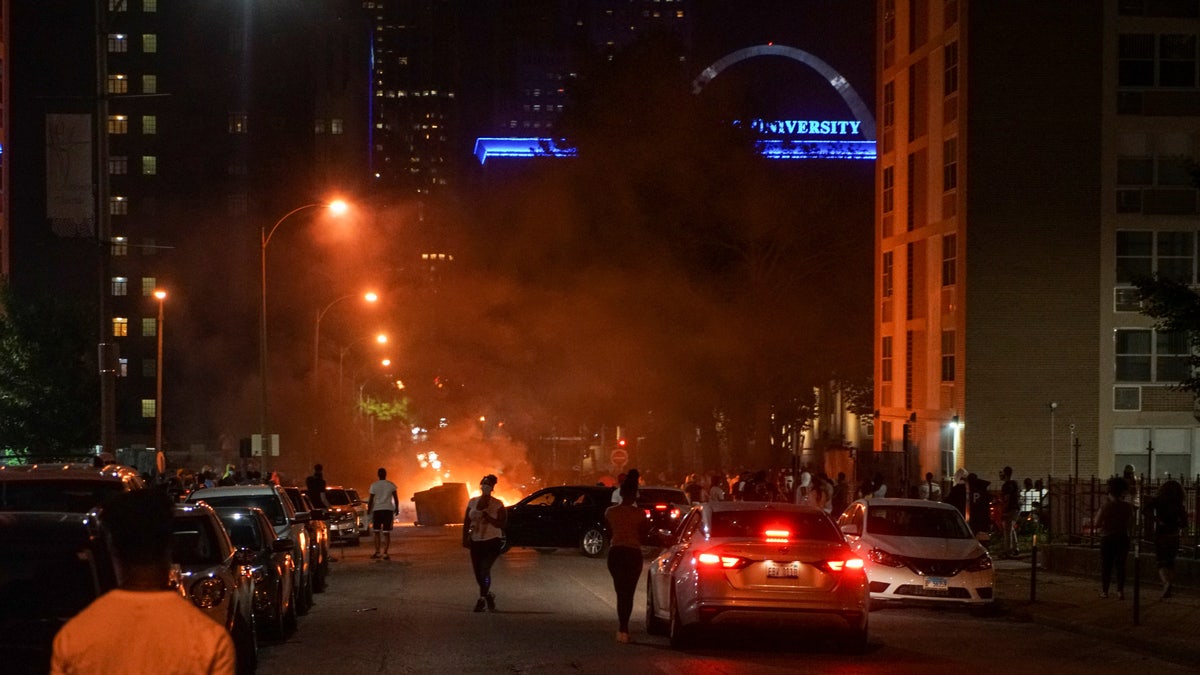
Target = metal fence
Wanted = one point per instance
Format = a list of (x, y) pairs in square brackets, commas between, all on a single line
[(1069, 509)]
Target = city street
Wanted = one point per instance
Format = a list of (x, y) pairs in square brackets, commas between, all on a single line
[(556, 614)]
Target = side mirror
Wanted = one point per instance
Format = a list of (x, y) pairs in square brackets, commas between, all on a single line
[(302, 517), (284, 545), (852, 529), (244, 556)]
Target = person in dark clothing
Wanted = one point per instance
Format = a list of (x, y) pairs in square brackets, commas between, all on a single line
[(979, 511), (1170, 520), (1010, 501), (1112, 522), (625, 521), (316, 487)]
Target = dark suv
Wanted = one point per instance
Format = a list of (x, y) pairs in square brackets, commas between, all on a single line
[(563, 516), (63, 487)]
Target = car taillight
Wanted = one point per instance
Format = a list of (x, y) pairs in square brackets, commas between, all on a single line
[(983, 562), (882, 557), (847, 565), (776, 536), (208, 593), (674, 513), (728, 562)]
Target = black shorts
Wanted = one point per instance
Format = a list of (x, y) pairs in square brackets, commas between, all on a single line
[(381, 520)]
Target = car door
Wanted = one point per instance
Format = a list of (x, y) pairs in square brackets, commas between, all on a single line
[(529, 518), (663, 567)]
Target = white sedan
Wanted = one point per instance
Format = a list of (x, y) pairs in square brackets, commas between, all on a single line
[(758, 563), (918, 551)]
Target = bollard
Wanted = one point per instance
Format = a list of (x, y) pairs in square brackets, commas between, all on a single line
[(1033, 570)]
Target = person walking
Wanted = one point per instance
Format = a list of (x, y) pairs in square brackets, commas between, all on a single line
[(1112, 522), (160, 631), (483, 534), (316, 487), (383, 504), (1010, 500), (1170, 520), (625, 521)]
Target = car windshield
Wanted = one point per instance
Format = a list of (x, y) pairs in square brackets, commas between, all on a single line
[(68, 496), (38, 585), (243, 532), (916, 521), (268, 503), (193, 541), (337, 498), (759, 524)]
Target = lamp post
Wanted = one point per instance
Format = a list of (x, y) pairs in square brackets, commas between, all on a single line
[(336, 207), (369, 297), (161, 295), (380, 338)]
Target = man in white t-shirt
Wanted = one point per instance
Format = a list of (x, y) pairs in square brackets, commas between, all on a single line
[(383, 505), (803, 486), (161, 631)]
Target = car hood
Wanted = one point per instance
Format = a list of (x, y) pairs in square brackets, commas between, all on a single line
[(924, 547)]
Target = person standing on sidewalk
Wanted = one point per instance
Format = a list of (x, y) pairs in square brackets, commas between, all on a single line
[(316, 487), (625, 521), (1112, 522), (1170, 520), (1010, 500), (383, 504), (483, 533)]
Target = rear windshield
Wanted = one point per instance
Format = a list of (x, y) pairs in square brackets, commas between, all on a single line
[(194, 542), (268, 503), (916, 521), (243, 532), (756, 524), (69, 496), (337, 497)]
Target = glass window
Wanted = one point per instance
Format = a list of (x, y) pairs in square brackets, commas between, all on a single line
[(118, 165), (149, 6), (949, 164), (118, 124), (149, 327), (149, 84), (238, 123), (120, 246), (947, 356), (1133, 351), (756, 524), (1135, 60), (149, 124), (118, 5), (149, 285), (149, 43), (950, 77), (120, 326), (149, 408), (1176, 256), (118, 206), (949, 260), (118, 43), (1177, 61), (889, 189), (1135, 256), (1175, 171), (335, 126), (118, 84), (149, 165), (888, 273), (889, 105), (889, 21), (1135, 171), (120, 285), (885, 360), (318, 126), (1172, 356)]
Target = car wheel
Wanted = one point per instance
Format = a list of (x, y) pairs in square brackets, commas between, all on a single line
[(245, 645), (677, 633), (654, 625), (593, 542)]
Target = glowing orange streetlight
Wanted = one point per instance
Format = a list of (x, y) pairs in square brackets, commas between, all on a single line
[(370, 297)]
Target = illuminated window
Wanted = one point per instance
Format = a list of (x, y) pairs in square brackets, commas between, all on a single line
[(335, 126), (149, 43), (120, 326), (950, 76), (118, 84), (947, 356), (149, 408), (149, 165), (118, 5), (149, 285), (149, 6), (318, 126), (949, 260), (149, 84), (149, 124), (239, 123), (120, 286), (118, 206), (885, 359), (889, 188), (122, 367), (118, 43), (149, 326), (118, 165), (949, 164), (118, 124), (120, 246)]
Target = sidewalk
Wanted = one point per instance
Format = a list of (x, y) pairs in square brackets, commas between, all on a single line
[(1168, 629)]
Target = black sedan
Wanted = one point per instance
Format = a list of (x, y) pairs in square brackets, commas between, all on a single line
[(563, 516), (270, 562)]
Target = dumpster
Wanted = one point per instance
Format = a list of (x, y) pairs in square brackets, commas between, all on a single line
[(442, 504)]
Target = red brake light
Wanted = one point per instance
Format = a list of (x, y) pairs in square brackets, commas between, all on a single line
[(777, 536), (725, 561), (661, 507), (848, 564)]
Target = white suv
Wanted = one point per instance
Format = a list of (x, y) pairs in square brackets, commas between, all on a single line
[(284, 518)]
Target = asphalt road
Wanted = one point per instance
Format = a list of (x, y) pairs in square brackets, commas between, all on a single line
[(556, 614)]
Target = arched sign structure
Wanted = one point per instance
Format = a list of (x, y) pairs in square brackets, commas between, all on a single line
[(789, 139)]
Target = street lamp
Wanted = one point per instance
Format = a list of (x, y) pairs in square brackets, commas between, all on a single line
[(369, 297), (158, 374), (336, 207), (380, 339)]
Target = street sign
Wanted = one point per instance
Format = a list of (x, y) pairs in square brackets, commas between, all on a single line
[(619, 457)]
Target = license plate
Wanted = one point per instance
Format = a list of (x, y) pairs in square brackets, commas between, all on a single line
[(936, 585), (783, 571)]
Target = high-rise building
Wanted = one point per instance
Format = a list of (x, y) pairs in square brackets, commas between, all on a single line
[(4, 127), (1024, 181)]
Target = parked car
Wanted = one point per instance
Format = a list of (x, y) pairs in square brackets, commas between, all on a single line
[(345, 517), (364, 511), (63, 487), (664, 507), (52, 565), (563, 516), (756, 563), (918, 551), (270, 562), (213, 577), (318, 535), (288, 524)]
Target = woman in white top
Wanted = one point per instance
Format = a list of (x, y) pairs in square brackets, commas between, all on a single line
[(483, 532)]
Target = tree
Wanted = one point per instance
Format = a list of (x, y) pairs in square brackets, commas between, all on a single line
[(1175, 307), (48, 383)]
